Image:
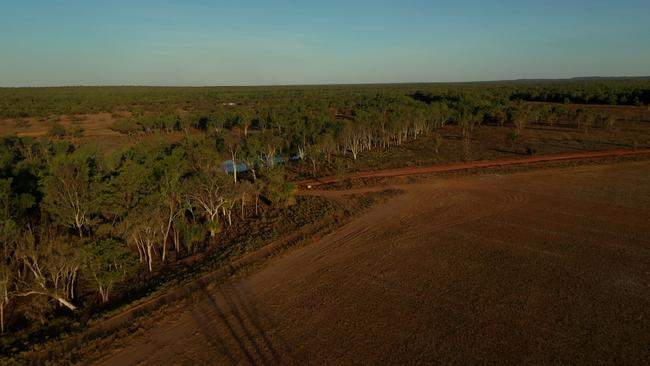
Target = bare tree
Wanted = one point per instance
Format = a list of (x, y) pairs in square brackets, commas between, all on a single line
[(209, 193), (353, 139), (437, 142), (233, 144), (144, 236), (170, 209), (520, 119), (50, 267), (6, 288)]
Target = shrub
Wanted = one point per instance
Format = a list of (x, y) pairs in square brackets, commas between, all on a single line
[(22, 123), (57, 130), (76, 131), (126, 126)]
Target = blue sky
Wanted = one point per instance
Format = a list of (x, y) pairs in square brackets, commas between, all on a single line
[(246, 42)]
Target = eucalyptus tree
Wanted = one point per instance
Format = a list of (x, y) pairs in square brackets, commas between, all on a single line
[(439, 113), (170, 172), (8, 236), (233, 142), (278, 190), (270, 148), (520, 117), (69, 190), (7, 286), (208, 191), (251, 153), (245, 189), (50, 265), (144, 235), (191, 235), (352, 136), (230, 196), (108, 261), (125, 190), (246, 118), (203, 154)]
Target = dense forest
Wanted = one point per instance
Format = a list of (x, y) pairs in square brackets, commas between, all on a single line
[(39, 102), (78, 223)]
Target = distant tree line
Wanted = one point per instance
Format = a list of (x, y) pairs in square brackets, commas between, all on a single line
[(44, 102), (590, 93)]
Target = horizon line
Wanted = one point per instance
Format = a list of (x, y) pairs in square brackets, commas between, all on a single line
[(575, 78)]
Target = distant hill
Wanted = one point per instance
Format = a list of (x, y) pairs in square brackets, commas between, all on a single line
[(612, 78), (585, 78)]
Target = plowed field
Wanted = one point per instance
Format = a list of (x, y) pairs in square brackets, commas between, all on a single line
[(541, 267)]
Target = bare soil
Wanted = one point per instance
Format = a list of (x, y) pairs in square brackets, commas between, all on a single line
[(96, 125), (481, 164), (542, 267), (97, 130)]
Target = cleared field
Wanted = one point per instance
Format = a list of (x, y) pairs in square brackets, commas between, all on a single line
[(539, 267), (97, 131), (95, 125)]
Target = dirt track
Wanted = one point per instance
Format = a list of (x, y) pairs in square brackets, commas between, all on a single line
[(541, 267), (441, 168)]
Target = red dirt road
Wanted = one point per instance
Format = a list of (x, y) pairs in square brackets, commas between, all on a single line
[(442, 168), (542, 267)]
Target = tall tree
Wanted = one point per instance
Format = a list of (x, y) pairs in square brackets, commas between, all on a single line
[(107, 260), (209, 192), (170, 201), (7, 268), (68, 191)]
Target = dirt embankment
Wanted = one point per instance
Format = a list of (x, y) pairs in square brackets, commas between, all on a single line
[(442, 168), (532, 268)]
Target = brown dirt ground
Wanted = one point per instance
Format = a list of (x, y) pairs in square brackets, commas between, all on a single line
[(542, 267), (97, 131), (473, 165), (96, 125)]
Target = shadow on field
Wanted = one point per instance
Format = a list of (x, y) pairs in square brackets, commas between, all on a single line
[(234, 328)]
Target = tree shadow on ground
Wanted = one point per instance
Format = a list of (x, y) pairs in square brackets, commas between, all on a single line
[(236, 329)]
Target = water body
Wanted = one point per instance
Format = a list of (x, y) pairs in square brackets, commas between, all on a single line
[(229, 168), (242, 167)]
